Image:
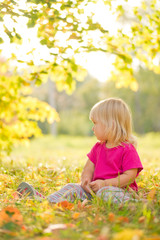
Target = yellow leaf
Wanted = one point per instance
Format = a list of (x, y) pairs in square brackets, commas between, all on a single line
[(141, 184), (129, 234), (89, 219), (75, 215)]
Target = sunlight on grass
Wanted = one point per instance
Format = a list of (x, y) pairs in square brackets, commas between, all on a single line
[(55, 151), (49, 163)]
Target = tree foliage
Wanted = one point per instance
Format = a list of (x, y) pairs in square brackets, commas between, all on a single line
[(64, 27), (67, 27), (19, 112), (137, 38), (144, 103)]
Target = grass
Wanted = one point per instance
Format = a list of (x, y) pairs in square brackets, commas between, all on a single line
[(48, 164)]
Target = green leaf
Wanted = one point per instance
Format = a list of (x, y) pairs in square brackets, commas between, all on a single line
[(43, 41), (44, 72), (38, 82), (1, 40), (18, 36)]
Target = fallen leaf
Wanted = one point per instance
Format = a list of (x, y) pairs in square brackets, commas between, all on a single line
[(75, 215), (141, 219), (111, 217), (10, 214), (123, 219), (65, 205), (23, 227), (129, 234), (89, 219)]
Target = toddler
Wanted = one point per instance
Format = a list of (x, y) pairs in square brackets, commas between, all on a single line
[(113, 162)]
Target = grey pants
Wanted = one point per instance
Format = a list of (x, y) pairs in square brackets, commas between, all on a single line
[(74, 191)]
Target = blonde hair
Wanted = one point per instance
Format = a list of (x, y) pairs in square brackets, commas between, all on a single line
[(115, 116)]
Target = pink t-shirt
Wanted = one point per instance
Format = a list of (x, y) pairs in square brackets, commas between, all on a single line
[(110, 162)]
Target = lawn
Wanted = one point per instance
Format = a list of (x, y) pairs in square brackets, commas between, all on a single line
[(49, 163)]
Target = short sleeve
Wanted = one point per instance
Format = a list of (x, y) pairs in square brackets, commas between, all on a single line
[(92, 154), (131, 160)]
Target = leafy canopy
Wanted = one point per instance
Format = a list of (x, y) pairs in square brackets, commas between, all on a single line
[(64, 27), (137, 37), (19, 112)]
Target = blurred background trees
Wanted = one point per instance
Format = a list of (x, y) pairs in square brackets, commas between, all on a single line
[(74, 109), (144, 102)]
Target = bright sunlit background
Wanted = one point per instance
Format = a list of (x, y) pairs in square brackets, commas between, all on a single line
[(98, 64)]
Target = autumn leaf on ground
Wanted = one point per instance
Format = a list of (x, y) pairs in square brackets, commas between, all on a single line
[(129, 234), (141, 219), (123, 219), (10, 214), (65, 205), (111, 217), (75, 215)]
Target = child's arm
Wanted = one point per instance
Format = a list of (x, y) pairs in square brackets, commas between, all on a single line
[(87, 175), (122, 180)]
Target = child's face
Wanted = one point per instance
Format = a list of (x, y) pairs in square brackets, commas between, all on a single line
[(98, 130)]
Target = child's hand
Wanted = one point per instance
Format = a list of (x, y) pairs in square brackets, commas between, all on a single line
[(85, 185), (96, 185)]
